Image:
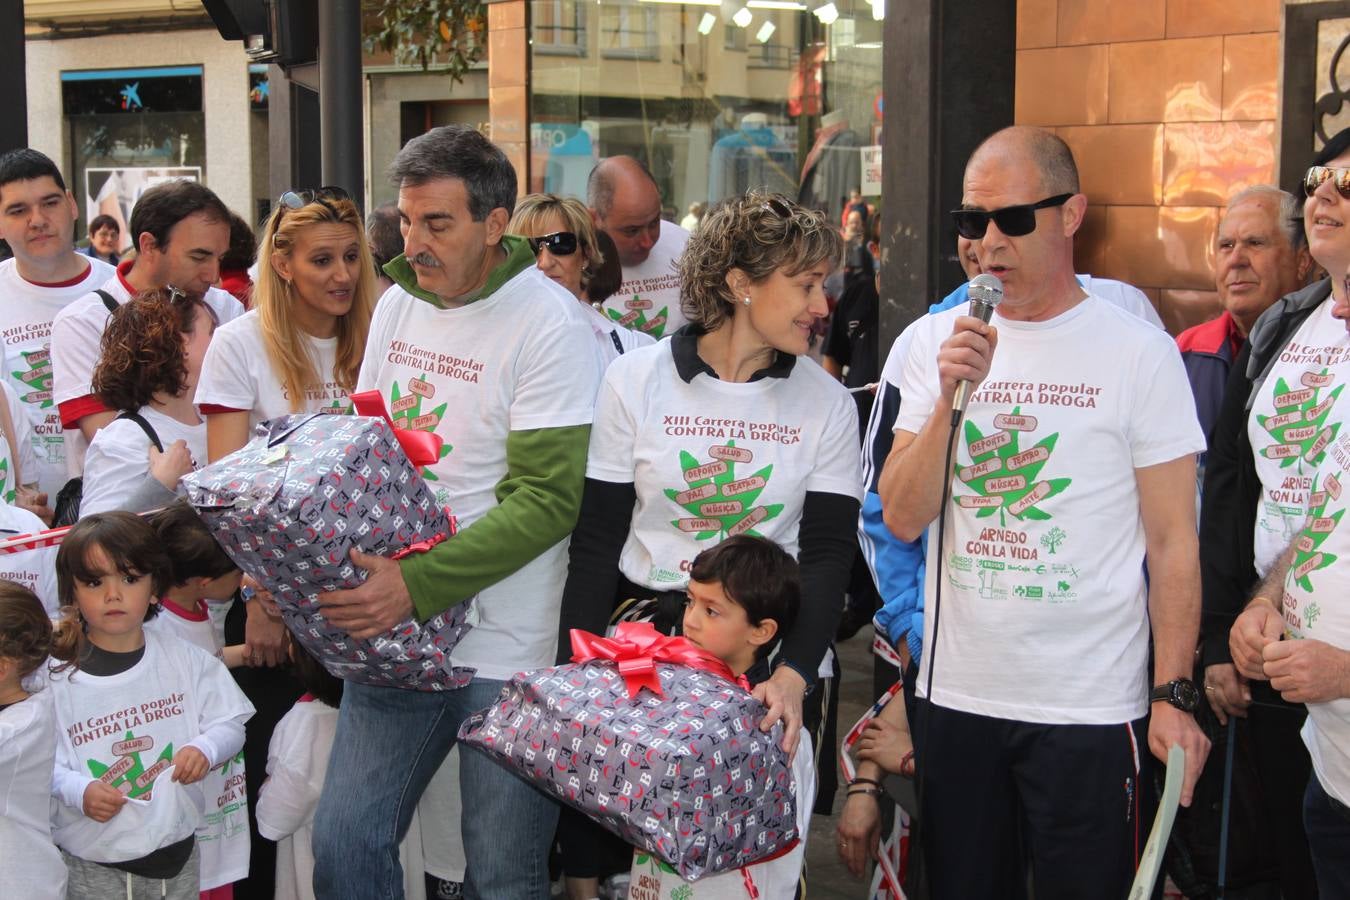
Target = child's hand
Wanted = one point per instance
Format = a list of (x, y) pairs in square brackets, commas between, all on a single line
[(102, 801), (889, 745), (190, 765)]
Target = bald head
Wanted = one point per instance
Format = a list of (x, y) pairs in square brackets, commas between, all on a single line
[(625, 203), (1047, 154)]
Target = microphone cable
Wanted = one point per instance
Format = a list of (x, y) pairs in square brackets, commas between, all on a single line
[(916, 859)]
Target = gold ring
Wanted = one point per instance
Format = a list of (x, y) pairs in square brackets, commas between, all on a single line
[(1209, 687)]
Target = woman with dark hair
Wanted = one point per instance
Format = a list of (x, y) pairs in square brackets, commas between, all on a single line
[(104, 235), (725, 430), (148, 367)]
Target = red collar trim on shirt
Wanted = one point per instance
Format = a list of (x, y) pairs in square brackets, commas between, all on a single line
[(197, 615), (123, 268), (1210, 337), (306, 698), (70, 282)]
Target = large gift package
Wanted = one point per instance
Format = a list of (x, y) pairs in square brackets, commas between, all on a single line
[(290, 506), (654, 739)]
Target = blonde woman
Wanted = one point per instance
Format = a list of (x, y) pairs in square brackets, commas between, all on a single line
[(563, 239), (300, 348)]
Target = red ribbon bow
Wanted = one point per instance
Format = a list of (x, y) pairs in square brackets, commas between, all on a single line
[(637, 647), (422, 447)]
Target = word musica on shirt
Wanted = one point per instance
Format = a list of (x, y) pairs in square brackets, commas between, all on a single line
[(402, 353), (735, 429), (119, 722), (1083, 396), (1299, 354)]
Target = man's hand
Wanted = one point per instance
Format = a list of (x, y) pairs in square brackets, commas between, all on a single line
[(1307, 671), (859, 831), (782, 694), (1260, 624), (264, 631), (381, 602), (1169, 725), (169, 467), (966, 355), (102, 802), (1227, 692), (190, 765), (35, 502)]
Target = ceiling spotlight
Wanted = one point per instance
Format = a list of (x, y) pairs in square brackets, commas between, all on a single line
[(765, 32), (744, 17), (827, 14), (705, 24)]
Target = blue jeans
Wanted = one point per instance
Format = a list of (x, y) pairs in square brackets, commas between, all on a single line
[(1327, 822), (389, 743)]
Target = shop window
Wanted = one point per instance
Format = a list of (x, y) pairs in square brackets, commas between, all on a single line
[(628, 31), (558, 27)]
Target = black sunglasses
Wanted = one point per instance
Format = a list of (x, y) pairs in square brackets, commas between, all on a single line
[(559, 243), (1320, 175), (1014, 221)]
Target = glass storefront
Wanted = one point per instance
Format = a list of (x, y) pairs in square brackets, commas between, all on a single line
[(128, 130), (716, 97)]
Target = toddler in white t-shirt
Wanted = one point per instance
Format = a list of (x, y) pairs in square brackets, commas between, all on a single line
[(30, 862), (742, 594), (142, 718)]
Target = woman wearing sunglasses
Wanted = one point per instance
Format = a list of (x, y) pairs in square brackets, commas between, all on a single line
[(312, 308), (149, 363), (564, 241), (722, 430), (1265, 473)]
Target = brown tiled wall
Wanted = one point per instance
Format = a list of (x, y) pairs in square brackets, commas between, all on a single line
[(1170, 107), (508, 83)]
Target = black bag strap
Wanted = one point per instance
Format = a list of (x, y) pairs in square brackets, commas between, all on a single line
[(108, 299), (618, 344), (145, 426)]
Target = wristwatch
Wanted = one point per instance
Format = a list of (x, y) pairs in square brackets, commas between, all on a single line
[(1181, 693)]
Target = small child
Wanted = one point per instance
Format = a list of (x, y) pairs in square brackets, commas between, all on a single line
[(30, 862), (297, 762), (743, 594), (141, 719), (201, 572)]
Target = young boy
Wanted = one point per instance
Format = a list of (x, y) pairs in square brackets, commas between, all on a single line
[(743, 594)]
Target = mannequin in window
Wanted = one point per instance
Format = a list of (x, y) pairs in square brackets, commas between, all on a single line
[(831, 169)]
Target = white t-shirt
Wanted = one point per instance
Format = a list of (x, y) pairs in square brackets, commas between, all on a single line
[(1293, 421), (1126, 296), (222, 837), (26, 314), (776, 879), (27, 468), (521, 359), (34, 569), (30, 862), (297, 762), (124, 729), (238, 376), (613, 339), (648, 299), (119, 457), (77, 334), (709, 459), (1044, 605), (1317, 576)]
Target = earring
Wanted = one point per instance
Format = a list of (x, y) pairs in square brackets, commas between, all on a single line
[(746, 301)]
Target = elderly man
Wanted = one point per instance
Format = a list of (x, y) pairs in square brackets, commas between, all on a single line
[(1074, 466), (1259, 256), (625, 203), (519, 396)]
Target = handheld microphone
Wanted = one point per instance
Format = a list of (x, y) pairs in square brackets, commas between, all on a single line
[(986, 292)]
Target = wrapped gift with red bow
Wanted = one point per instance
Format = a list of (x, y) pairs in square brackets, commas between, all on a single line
[(291, 505), (656, 740)]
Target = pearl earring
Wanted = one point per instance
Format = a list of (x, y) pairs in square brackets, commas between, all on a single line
[(746, 301)]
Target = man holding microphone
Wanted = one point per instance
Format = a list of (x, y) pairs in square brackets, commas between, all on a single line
[(1073, 466)]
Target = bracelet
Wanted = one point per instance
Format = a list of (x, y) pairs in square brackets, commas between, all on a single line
[(861, 780), (870, 792)]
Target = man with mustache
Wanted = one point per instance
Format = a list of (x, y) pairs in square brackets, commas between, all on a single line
[(477, 345)]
